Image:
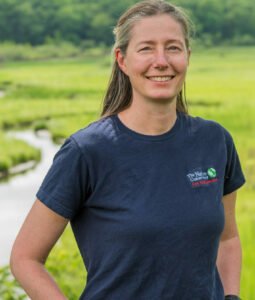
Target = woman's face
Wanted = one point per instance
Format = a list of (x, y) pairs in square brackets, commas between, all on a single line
[(156, 60)]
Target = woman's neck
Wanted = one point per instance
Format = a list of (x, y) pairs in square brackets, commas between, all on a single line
[(154, 119)]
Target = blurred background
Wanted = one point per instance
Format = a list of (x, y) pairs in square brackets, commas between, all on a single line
[(55, 64)]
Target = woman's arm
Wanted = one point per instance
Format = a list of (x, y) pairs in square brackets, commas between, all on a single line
[(38, 235), (229, 260)]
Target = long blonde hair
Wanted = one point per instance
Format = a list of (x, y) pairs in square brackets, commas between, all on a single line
[(119, 92)]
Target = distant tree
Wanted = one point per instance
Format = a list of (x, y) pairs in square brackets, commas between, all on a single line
[(239, 20), (37, 21)]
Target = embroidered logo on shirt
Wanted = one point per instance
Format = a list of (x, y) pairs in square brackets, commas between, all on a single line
[(211, 172), (200, 178)]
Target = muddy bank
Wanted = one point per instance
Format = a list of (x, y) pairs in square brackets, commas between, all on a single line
[(21, 168)]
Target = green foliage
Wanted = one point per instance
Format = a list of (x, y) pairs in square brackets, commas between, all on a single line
[(20, 52), (37, 22), (66, 266), (222, 22), (61, 128), (14, 152), (57, 95), (9, 288)]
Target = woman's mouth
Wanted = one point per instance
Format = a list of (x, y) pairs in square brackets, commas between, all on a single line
[(160, 78)]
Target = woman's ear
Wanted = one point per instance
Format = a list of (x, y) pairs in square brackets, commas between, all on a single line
[(121, 60)]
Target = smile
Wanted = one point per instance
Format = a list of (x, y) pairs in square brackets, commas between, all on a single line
[(161, 78)]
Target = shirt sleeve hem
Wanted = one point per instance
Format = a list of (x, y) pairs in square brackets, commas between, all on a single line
[(56, 207), (234, 186)]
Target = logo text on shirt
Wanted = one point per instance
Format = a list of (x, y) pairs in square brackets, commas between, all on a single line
[(200, 178)]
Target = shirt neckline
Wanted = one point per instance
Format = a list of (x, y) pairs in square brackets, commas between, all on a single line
[(123, 128)]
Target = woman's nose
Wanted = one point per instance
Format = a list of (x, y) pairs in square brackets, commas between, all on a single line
[(160, 59)]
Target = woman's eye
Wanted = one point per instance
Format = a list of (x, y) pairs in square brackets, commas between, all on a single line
[(173, 48), (145, 48)]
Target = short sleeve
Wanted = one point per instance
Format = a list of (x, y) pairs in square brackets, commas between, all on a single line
[(234, 177), (65, 186)]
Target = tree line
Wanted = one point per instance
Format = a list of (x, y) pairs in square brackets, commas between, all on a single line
[(91, 22)]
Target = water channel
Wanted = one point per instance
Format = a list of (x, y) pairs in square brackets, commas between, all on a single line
[(18, 194)]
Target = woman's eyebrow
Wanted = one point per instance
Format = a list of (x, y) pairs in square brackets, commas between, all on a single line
[(151, 42), (145, 42), (175, 41)]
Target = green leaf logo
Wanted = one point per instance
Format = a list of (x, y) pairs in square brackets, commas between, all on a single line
[(211, 172)]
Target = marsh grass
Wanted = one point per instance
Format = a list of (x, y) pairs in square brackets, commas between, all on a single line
[(14, 152), (66, 266), (25, 52), (65, 95)]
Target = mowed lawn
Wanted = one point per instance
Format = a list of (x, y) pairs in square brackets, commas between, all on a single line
[(65, 95)]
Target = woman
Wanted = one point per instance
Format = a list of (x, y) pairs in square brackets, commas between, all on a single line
[(149, 190)]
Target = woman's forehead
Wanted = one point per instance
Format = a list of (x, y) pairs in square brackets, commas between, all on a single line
[(154, 28)]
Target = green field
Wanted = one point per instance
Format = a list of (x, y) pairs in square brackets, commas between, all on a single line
[(65, 95)]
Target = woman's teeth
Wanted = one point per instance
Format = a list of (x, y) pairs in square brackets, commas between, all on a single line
[(158, 78)]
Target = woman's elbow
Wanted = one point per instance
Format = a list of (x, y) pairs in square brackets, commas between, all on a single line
[(20, 261), (16, 261)]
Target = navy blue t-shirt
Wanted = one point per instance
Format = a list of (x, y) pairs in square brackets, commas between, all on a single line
[(146, 211)]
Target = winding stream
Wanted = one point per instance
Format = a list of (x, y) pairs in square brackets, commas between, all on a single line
[(18, 194)]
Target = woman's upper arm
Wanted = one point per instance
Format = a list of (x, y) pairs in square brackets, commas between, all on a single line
[(38, 234), (230, 229)]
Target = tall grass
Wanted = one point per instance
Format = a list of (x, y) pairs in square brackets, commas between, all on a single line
[(14, 152), (25, 52)]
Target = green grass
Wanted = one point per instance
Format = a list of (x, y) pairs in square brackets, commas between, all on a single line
[(49, 90), (25, 52), (14, 152), (65, 95), (9, 288), (60, 95), (66, 266)]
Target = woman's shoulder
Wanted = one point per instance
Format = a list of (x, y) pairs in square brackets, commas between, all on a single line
[(96, 133), (199, 125)]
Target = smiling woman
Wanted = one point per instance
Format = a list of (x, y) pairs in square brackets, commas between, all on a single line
[(142, 184), (119, 93), (156, 61)]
